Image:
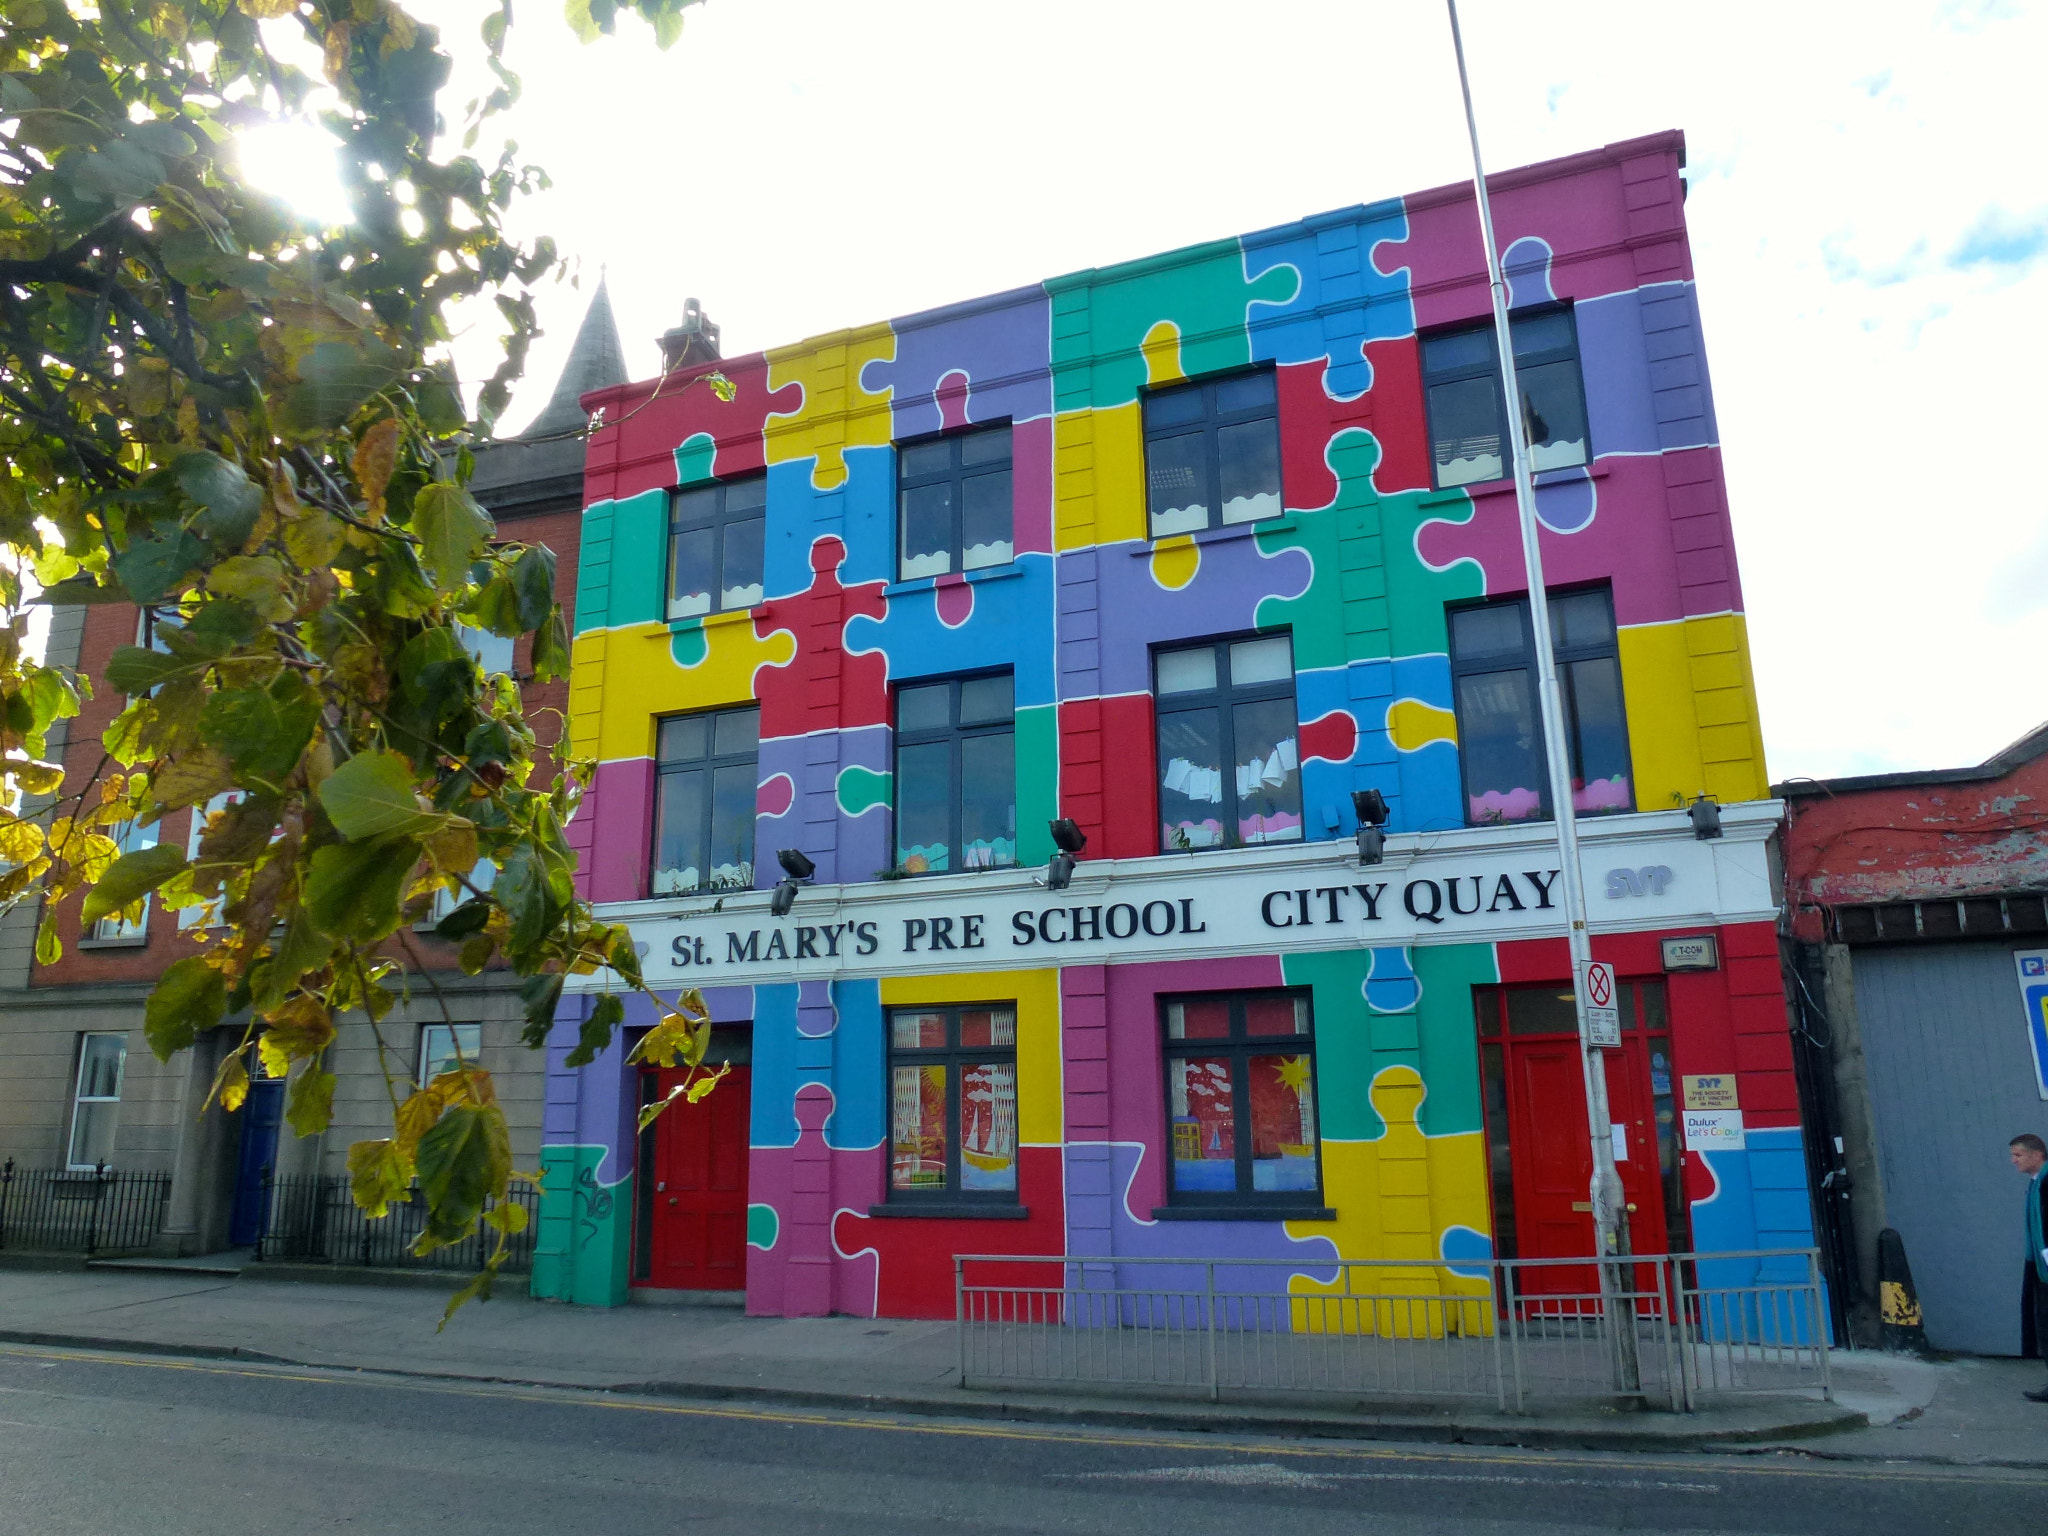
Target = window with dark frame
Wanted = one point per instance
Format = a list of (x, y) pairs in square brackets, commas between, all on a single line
[(953, 1103), (1241, 1100), (705, 773), (1229, 761), (717, 540), (1212, 453), (956, 775), (954, 507), (1461, 380), (1500, 729)]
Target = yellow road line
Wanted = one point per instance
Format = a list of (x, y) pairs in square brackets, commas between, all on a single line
[(1321, 1450)]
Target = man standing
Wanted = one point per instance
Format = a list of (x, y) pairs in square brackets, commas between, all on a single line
[(2029, 1155)]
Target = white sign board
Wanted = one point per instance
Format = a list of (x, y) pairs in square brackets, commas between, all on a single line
[(1692, 952), (1603, 1005), (1714, 1130), (1479, 884)]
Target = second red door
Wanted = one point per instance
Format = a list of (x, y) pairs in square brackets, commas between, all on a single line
[(696, 1227)]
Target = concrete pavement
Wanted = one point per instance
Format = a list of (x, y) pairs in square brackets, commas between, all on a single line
[(1963, 1412)]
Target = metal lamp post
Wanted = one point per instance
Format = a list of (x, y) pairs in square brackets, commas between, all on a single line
[(1610, 1206)]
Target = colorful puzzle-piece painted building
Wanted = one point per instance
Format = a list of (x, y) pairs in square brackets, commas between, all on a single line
[(1186, 550)]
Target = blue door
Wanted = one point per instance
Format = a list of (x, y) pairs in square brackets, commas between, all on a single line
[(261, 1114)]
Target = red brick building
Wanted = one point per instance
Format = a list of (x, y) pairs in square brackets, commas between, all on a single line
[(1919, 913), (80, 1087)]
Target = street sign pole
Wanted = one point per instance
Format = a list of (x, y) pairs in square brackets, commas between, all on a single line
[(1610, 1208)]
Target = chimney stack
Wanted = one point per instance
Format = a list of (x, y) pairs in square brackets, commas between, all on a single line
[(691, 344)]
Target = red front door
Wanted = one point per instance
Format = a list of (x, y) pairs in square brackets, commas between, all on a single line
[(1541, 1144), (1552, 1147), (696, 1232)]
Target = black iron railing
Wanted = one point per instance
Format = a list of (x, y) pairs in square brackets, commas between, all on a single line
[(313, 1219), (82, 1210)]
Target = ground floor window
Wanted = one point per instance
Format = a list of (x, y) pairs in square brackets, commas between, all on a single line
[(953, 1102), (445, 1046), (96, 1099), (1241, 1099)]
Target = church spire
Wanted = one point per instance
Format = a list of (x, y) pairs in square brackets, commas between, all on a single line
[(596, 361)]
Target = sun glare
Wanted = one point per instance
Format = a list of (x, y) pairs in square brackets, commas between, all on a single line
[(295, 161)]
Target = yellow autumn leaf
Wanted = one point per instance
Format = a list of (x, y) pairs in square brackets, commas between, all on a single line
[(378, 1173), (376, 457), (38, 778), (231, 1083), (91, 854), (20, 841), (301, 1028), (676, 1037)]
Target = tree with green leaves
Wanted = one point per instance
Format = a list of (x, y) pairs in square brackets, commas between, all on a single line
[(249, 425)]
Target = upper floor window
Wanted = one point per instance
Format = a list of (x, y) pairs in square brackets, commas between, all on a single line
[(704, 801), (1229, 766), (1212, 453), (152, 626), (1500, 727), (195, 833), (956, 775), (953, 499), (1461, 374), (717, 534), (96, 1099), (953, 1102), (1241, 1100), (129, 838), (490, 651)]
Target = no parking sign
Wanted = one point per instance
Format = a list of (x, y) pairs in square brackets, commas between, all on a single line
[(1603, 1006)]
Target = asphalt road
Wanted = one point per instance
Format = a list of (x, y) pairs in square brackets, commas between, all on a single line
[(93, 1443)]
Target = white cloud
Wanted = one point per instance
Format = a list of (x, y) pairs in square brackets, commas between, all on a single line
[(806, 164)]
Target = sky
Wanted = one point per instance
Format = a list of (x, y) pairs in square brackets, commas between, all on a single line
[(1868, 219)]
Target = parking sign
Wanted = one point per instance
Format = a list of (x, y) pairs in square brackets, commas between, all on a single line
[(2033, 964)]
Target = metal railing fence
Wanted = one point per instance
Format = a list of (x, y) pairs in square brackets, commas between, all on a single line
[(1509, 1331), (314, 1219), (83, 1210)]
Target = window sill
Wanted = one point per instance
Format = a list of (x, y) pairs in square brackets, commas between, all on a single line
[(960, 1211), (137, 942), (928, 583), (712, 620), (1505, 485), (1243, 1213), (1284, 523), (1196, 853)]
